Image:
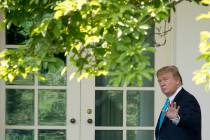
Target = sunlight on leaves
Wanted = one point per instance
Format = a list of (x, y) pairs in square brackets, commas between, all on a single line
[(202, 75)]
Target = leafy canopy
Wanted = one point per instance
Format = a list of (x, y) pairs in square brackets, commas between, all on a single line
[(100, 37)]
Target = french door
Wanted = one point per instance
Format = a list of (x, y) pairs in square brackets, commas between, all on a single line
[(116, 113), (71, 110), (37, 110)]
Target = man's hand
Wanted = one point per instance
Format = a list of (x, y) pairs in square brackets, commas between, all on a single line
[(172, 111)]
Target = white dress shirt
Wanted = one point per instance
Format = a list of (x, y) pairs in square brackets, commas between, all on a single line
[(171, 98)]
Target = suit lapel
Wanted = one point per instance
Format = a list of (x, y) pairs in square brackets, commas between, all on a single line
[(179, 95)]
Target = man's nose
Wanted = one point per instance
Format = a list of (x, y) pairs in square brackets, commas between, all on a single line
[(162, 84)]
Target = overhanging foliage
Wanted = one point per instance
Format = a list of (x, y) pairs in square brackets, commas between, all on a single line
[(99, 37)]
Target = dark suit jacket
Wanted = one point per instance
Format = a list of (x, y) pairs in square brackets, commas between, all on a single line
[(189, 126)]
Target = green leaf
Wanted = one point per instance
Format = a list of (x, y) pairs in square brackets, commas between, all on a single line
[(64, 70)]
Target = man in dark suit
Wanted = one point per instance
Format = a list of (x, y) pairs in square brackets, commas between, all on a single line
[(180, 118)]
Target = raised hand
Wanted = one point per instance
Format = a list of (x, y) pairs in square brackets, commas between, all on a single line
[(172, 111)]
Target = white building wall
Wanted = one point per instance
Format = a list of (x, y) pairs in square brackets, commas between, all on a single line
[(186, 42)]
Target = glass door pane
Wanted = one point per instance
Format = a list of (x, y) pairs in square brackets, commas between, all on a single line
[(15, 35), (19, 80), (52, 107), (140, 108), (108, 135), (108, 108), (140, 135), (52, 135), (19, 134), (19, 107), (53, 75)]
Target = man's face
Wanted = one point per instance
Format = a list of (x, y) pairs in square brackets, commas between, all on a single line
[(168, 84)]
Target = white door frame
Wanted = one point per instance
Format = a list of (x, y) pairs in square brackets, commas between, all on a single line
[(87, 103), (73, 109)]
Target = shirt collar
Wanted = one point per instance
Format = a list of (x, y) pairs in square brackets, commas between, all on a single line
[(171, 98)]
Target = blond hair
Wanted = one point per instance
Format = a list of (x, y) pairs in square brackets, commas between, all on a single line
[(170, 69)]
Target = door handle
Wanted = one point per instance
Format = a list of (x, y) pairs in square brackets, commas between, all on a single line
[(73, 120), (90, 121)]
